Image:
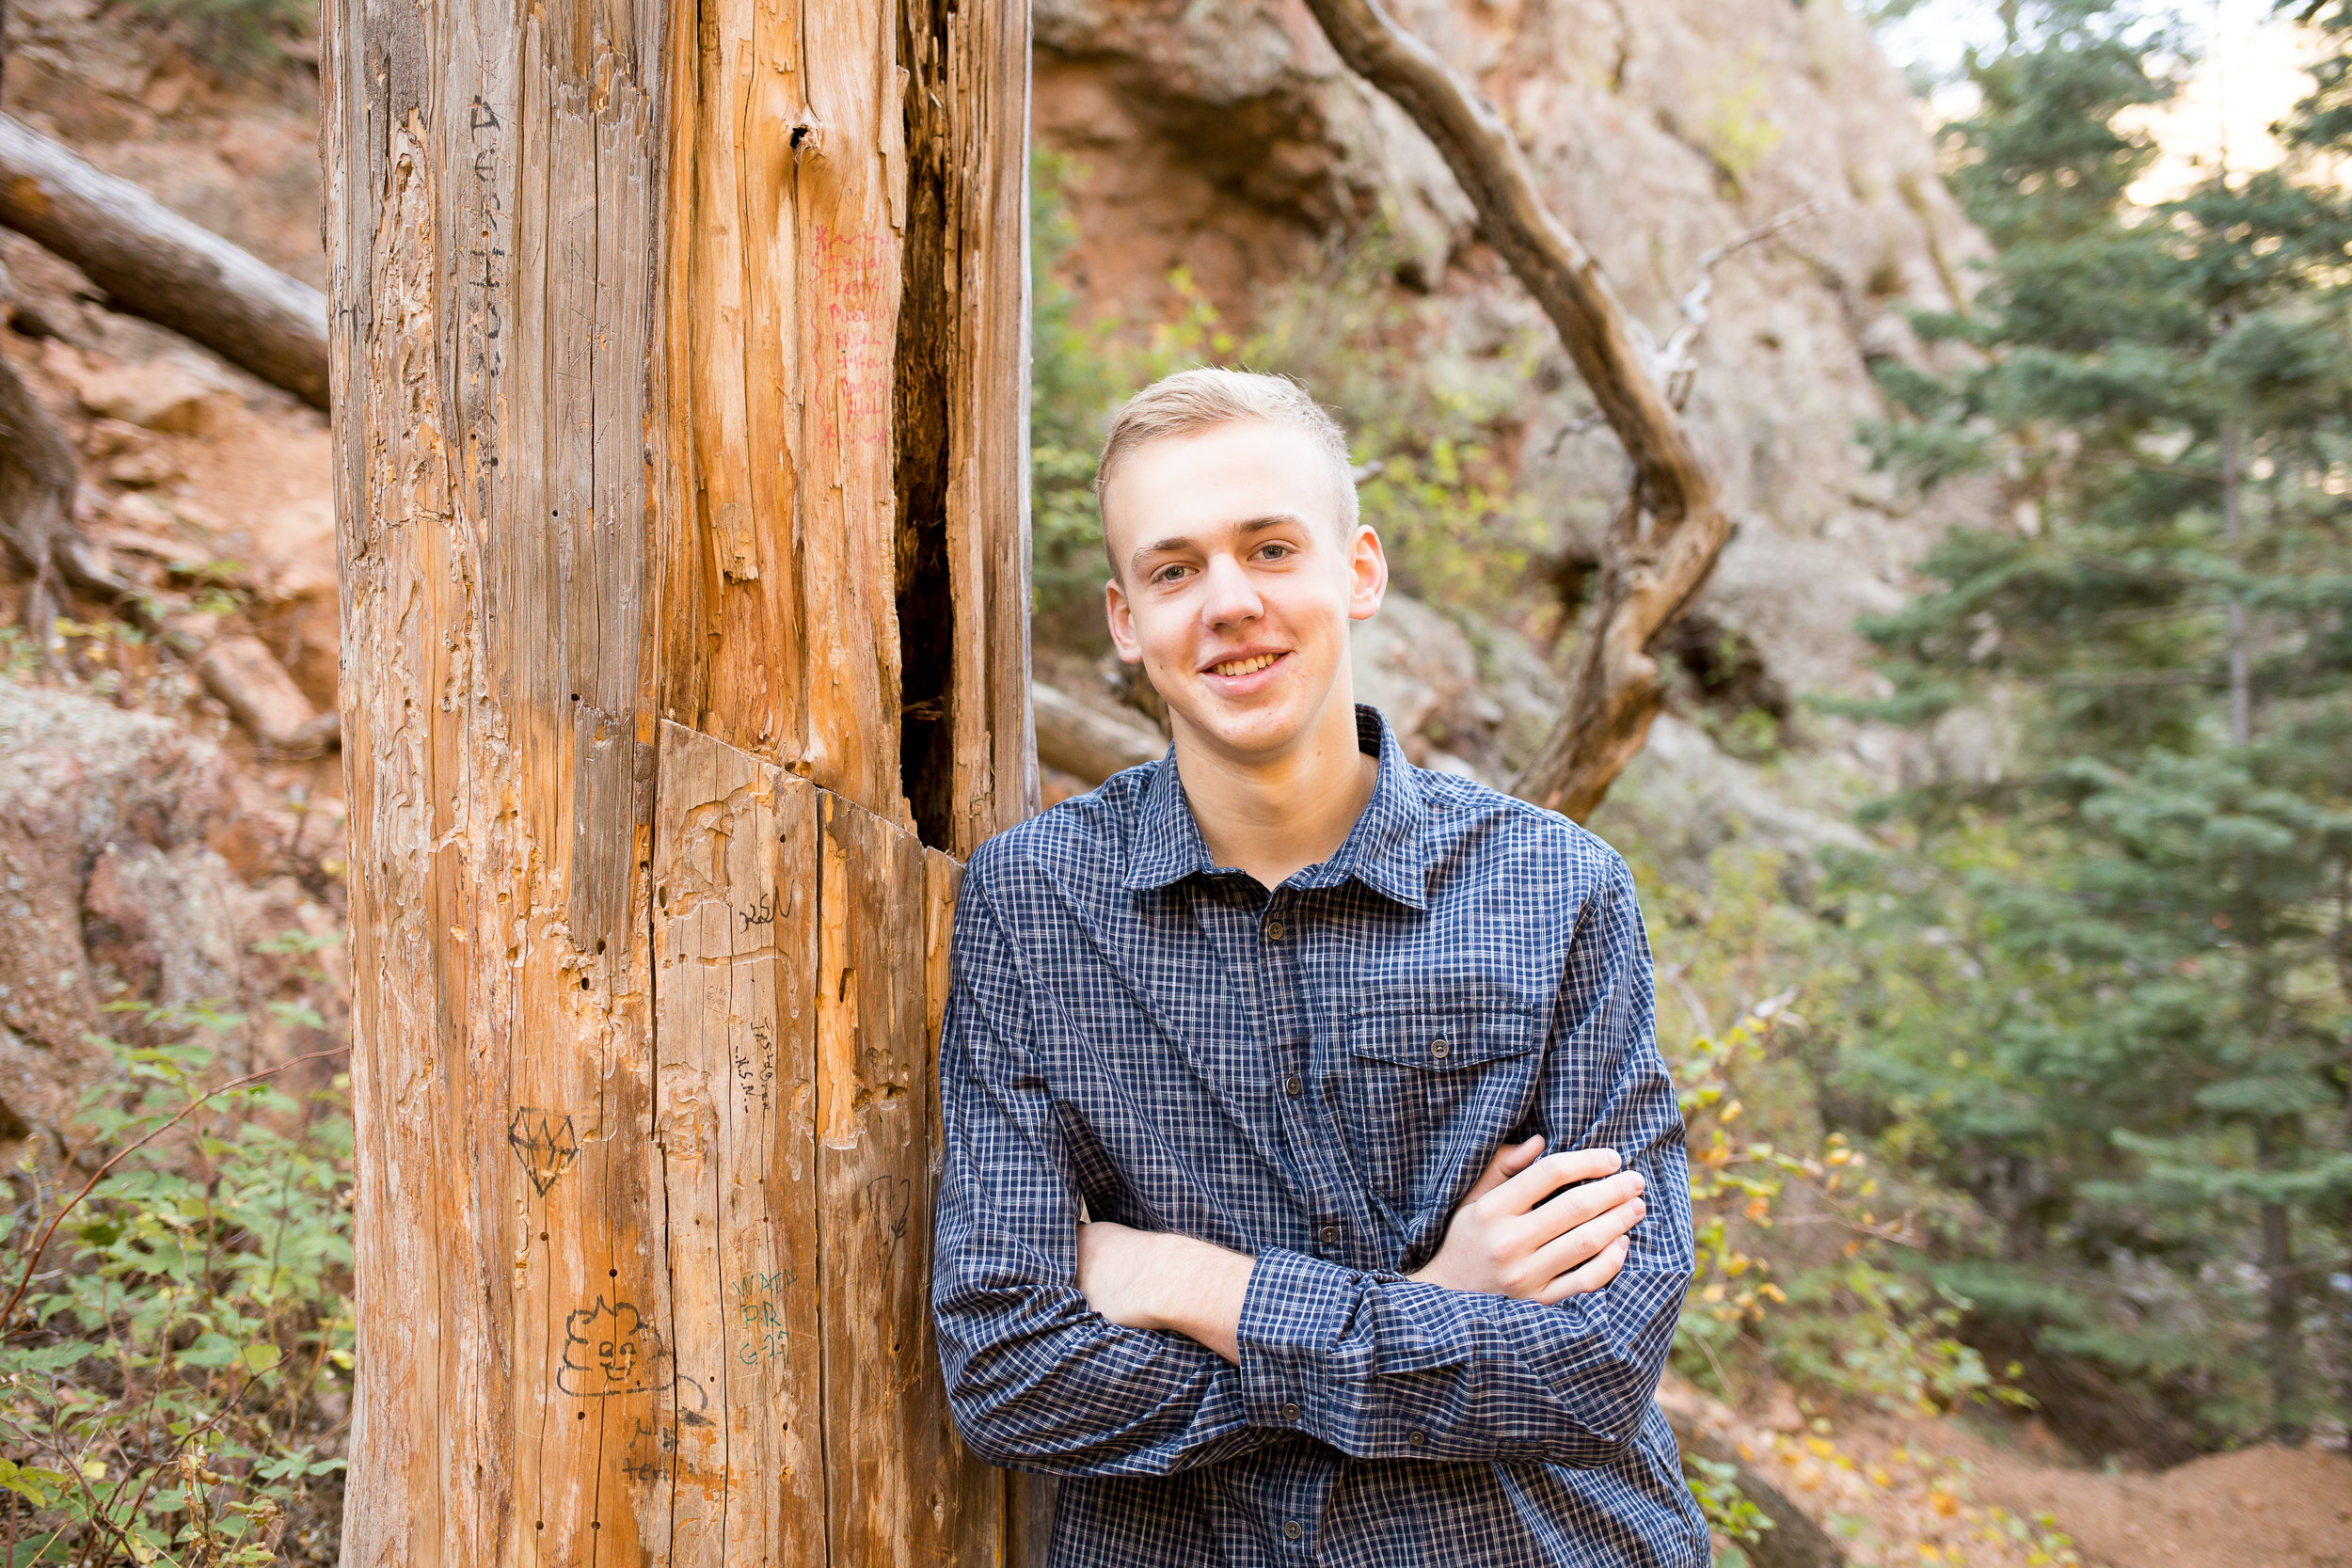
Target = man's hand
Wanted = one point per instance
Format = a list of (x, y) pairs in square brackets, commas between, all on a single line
[(1151, 1279), (1506, 1241)]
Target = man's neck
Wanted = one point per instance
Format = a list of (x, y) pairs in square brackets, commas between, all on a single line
[(1273, 816)]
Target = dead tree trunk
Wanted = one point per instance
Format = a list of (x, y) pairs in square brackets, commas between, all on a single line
[(1663, 544), (155, 263), (678, 375)]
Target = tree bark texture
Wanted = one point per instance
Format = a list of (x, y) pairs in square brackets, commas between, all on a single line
[(153, 262), (1661, 548), (677, 368)]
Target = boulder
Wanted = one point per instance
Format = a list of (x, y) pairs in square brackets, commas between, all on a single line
[(82, 781), (159, 395)]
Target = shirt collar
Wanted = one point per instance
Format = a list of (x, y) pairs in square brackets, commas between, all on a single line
[(1383, 850)]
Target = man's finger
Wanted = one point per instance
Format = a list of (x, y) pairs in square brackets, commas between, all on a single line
[(1548, 1221), (1508, 1162), (1577, 1247), (1552, 1172), (1592, 1276)]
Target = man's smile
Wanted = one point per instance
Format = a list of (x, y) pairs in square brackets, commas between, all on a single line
[(1233, 673)]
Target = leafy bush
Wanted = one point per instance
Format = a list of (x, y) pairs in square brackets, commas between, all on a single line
[(1811, 1263), (178, 1350)]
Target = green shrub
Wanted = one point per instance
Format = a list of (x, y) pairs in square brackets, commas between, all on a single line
[(177, 1359)]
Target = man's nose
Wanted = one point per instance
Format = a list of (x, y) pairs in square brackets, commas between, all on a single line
[(1230, 598)]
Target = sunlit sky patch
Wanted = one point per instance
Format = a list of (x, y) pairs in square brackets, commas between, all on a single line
[(2247, 71)]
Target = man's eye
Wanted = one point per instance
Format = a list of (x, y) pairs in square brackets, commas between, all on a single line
[(1168, 573), (1276, 552)]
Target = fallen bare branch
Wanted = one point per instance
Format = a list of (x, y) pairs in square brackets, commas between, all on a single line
[(1086, 744), (153, 262)]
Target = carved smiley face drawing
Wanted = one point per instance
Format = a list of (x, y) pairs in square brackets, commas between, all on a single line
[(609, 1349)]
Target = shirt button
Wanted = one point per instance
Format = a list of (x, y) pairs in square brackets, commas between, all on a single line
[(1294, 1086), (1290, 1411), (1273, 930), (1440, 1050), (1293, 1530), (1330, 1235), (1417, 1439)]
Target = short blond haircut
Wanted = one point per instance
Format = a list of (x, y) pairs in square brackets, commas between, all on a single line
[(1207, 396)]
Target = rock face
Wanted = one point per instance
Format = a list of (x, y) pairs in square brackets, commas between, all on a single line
[(1224, 136), (81, 782), (115, 887)]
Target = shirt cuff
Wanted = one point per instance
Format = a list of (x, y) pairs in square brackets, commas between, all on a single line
[(1292, 1317)]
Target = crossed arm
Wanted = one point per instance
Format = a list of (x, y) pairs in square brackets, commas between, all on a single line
[(1097, 1350), (1504, 1240)]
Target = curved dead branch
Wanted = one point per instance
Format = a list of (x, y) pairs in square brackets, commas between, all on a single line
[(1660, 552)]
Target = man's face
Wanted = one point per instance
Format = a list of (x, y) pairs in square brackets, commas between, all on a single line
[(1235, 585)]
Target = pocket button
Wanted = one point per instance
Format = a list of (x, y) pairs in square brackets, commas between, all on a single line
[(1442, 1050)]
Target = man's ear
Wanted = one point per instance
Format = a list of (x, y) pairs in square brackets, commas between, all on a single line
[(1122, 623), (1368, 569)]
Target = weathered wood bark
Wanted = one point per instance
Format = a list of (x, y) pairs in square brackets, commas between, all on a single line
[(155, 263), (1662, 548), (680, 478)]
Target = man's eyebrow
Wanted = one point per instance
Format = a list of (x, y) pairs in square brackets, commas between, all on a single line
[(1178, 542)]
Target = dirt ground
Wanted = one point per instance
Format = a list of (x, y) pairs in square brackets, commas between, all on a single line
[(1988, 1494), (2265, 1507)]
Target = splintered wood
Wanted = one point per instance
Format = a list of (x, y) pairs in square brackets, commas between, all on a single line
[(678, 442)]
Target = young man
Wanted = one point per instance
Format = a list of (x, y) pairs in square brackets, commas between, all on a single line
[(1260, 1066)]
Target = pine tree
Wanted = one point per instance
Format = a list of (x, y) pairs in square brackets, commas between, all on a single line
[(2160, 1029)]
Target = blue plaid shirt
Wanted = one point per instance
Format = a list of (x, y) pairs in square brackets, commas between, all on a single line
[(1314, 1075)]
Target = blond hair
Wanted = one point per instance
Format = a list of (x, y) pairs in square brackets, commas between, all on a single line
[(1207, 396)]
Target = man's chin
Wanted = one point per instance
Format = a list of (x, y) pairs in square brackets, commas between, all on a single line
[(1244, 734)]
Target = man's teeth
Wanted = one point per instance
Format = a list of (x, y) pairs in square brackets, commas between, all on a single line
[(1244, 666)]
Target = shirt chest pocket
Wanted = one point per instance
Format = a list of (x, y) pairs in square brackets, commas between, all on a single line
[(1425, 1090)]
